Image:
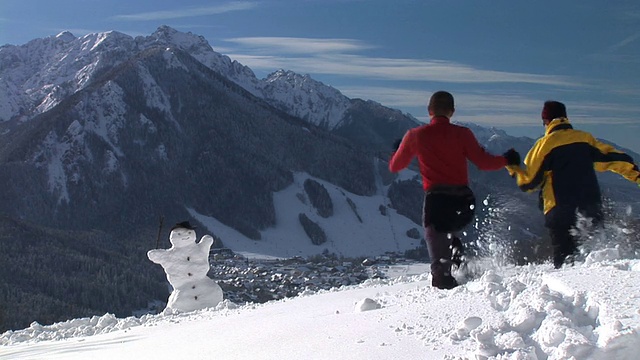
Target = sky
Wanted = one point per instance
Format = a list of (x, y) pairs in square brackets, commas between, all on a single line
[(501, 59), (586, 312)]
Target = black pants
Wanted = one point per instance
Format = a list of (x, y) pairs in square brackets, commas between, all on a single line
[(440, 247), (447, 209), (564, 245)]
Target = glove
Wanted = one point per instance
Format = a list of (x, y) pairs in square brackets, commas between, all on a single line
[(512, 156), (396, 144)]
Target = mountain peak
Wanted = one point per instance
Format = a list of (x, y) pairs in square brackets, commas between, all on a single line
[(306, 98), (167, 35), (165, 29), (290, 77), (66, 36), (109, 40)]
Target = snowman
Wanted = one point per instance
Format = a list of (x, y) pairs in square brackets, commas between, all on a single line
[(186, 264)]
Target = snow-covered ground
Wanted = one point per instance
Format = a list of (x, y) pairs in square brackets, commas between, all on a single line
[(589, 311)]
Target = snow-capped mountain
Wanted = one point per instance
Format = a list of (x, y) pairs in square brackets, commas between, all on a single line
[(306, 98), (38, 75)]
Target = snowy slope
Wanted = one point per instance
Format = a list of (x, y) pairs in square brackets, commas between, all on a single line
[(347, 236), (589, 311)]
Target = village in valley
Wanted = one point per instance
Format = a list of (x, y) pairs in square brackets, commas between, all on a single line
[(246, 280)]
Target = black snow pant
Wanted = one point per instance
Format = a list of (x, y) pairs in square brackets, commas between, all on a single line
[(564, 245), (447, 209), (560, 223), (439, 245)]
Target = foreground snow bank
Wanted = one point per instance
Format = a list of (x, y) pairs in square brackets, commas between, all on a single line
[(590, 311), (583, 313)]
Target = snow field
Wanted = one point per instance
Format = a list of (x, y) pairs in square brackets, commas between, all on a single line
[(589, 311)]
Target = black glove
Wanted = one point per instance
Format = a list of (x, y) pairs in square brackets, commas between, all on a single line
[(396, 144), (512, 156)]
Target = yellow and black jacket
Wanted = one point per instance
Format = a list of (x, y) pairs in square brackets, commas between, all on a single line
[(563, 163)]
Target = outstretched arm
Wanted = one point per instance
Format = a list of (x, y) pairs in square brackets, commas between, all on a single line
[(608, 158), (205, 243), (526, 181), (479, 156), (157, 255), (532, 176)]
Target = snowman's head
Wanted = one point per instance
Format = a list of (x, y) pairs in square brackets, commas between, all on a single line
[(182, 235)]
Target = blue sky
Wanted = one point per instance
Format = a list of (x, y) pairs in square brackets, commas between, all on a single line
[(500, 58)]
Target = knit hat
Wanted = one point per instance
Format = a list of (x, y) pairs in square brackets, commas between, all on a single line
[(553, 110)]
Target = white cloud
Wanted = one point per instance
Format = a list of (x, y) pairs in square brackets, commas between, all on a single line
[(481, 108), (395, 69), (493, 103), (293, 45), (612, 111), (626, 41), (492, 108), (389, 96), (526, 113), (465, 101), (188, 12), (499, 120)]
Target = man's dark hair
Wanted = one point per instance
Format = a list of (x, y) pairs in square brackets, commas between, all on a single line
[(441, 103)]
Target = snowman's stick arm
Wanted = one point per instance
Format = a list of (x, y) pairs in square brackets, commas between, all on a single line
[(159, 231)]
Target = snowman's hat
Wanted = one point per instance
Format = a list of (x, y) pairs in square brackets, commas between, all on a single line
[(183, 225)]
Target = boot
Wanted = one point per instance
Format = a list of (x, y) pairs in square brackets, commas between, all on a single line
[(445, 282), (441, 275)]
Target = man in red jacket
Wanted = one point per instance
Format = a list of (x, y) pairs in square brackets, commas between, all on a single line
[(442, 150)]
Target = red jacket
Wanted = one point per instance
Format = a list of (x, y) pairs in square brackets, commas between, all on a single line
[(442, 149)]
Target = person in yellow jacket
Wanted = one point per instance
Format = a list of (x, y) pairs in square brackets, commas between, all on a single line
[(563, 165)]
